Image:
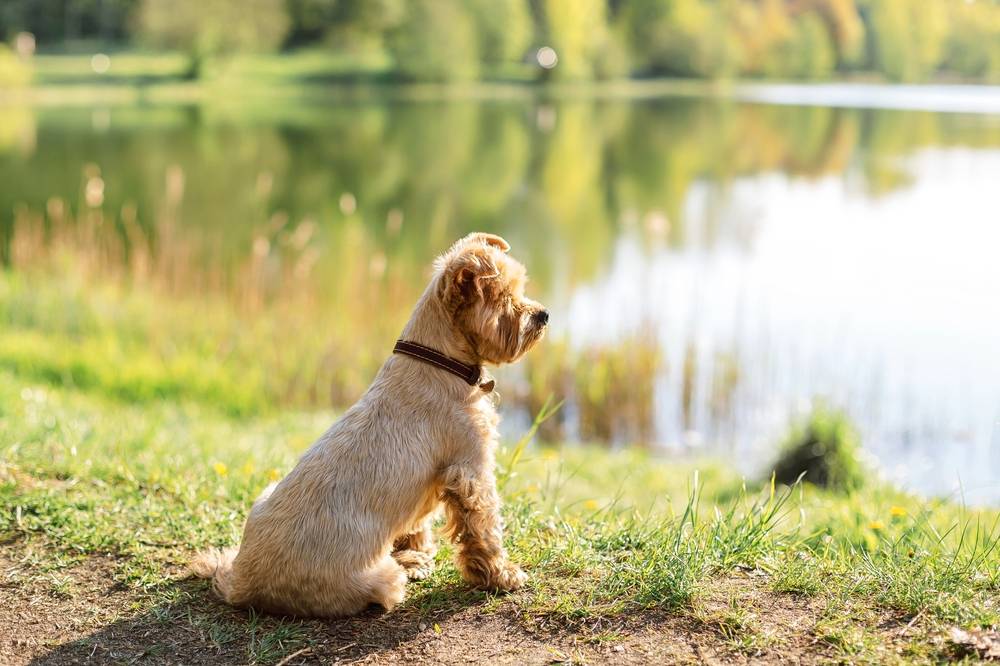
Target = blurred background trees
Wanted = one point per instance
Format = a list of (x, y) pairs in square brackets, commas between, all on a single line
[(447, 40), (211, 28)]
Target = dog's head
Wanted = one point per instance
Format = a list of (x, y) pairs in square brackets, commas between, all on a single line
[(482, 290)]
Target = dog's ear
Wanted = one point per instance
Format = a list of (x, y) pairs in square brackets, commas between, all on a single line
[(480, 238), (489, 239), (465, 275)]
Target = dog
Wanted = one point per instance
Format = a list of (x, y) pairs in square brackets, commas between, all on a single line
[(353, 520)]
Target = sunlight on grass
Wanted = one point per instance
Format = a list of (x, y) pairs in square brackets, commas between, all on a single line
[(600, 533)]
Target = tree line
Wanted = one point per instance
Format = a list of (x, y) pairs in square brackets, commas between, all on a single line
[(447, 40)]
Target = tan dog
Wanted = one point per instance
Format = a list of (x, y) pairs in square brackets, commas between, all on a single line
[(352, 520)]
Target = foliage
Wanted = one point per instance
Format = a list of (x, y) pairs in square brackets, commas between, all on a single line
[(907, 46), (845, 26), (454, 40), (677, 37), (807, 52), (436, 41), (505, 29), (973, 44), (54, 21), (824, 450), (206, 29), (13, 72), (615, 391), (346, 23), (578, 31)]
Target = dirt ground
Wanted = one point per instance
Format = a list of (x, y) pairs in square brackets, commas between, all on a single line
[(82, 616)]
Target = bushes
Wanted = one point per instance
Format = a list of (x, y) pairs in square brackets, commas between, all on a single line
[(806, 53), (436, 41), (13, 72), (610, 390), (505, 30), (578, 31), (680, 38), (973, 45), (454, 40), (905, 39), (825, 449), (208, 29)]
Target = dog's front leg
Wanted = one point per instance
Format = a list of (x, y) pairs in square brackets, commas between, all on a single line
[(415, 551), (475, 526)]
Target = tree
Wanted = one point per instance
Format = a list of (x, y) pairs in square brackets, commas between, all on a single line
[(906, 39), (577, 30), (357, 24), (505, 29), (808, 52), (973, 45), (13, 72), (435, 41), (311, 19), (210, 28), (53, 21), (844, 25), (681, 37)]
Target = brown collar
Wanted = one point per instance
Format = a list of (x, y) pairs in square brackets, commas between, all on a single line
[(471, 374)]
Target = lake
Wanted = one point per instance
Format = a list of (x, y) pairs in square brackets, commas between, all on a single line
[(714, 265)]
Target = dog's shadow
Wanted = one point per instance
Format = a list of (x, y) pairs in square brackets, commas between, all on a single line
[(196, 628)]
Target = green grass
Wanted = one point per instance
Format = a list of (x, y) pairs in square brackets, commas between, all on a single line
[(316, 73), (109, 448), (126, 67), (134, 67), (125, 345), (601, 533)]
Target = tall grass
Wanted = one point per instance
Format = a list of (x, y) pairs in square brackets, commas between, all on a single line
[(293, 315)]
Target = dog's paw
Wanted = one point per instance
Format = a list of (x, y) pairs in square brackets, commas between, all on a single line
[(418, 565), (509, 578), (420, 571)]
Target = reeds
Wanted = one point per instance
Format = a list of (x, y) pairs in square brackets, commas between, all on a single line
[(294, 314)]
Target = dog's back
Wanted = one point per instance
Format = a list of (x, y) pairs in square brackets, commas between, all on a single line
[(316, 543)]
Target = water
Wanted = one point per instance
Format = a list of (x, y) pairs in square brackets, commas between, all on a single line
[(777, 253)]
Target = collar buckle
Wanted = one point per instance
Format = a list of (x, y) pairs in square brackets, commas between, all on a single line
[(470, 374)]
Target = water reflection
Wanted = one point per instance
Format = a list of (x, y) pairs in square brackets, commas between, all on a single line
[(711, 264), (886, 307)]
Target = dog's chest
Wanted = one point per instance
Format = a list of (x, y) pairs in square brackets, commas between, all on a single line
[(485, 419)]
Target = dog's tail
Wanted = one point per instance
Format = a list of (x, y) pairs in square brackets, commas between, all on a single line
[(216, 564)]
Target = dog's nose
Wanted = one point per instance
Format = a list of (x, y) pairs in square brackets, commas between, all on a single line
[(542, 317)]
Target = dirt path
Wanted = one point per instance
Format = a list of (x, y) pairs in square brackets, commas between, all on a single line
[(81, 615)]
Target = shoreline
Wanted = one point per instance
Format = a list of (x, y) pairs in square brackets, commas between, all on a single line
[(932, 97)]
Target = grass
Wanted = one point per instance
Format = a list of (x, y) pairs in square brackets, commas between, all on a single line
[(132, 66), (142, 77), (128, 442), (602, 534), (86, 306)]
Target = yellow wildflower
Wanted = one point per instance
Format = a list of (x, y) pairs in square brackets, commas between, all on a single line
[(220, 468), (591, 504), (247, 468), (273, 474), (897, 512), (876, 525)]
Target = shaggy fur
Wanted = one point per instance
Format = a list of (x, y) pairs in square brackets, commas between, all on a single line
[(352, 521)]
